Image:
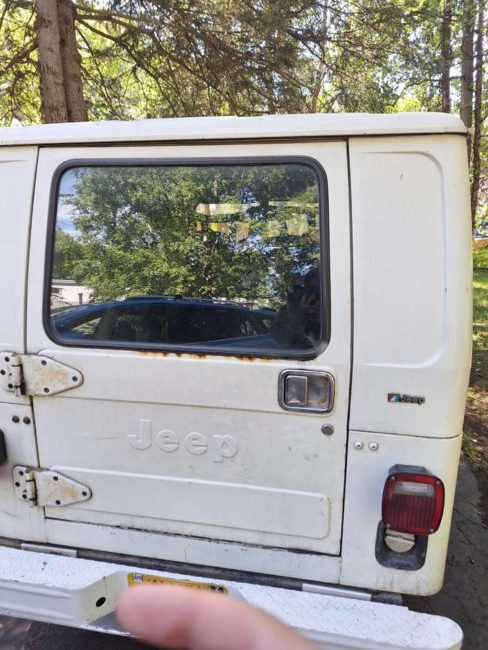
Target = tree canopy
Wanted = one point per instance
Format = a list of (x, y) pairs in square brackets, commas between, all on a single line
[(65, 60)]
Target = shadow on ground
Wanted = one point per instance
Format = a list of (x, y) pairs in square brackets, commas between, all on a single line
[(24, 635)]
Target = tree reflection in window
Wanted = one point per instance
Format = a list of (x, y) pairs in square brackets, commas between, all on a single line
[(246, 234)]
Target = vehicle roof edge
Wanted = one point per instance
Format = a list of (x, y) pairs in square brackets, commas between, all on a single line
[(202, 129)]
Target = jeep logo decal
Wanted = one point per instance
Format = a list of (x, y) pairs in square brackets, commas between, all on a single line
[(217, 446), (406, 399)]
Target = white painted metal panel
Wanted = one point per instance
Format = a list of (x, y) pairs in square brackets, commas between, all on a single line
[(17, 171), (192, 550), (114, 424), (17, 519), (248, 508), (368, 470), (412, 284), (400, 238)]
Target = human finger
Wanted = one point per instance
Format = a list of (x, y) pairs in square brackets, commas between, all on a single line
[(178, 617)]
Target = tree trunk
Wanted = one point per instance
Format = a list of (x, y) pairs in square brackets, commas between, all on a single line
[(478, 118), (321, 67), (467, 67), (71, 61), (53, 100), (446, 56)]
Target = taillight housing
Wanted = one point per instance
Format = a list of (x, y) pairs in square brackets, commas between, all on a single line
[(413, 503)]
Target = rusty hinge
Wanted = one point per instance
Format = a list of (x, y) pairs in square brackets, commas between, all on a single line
[(44, 487), (34, 374)]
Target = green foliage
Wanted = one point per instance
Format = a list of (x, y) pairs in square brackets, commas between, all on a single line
[(480, 255), (152, 58), (67, 256), (480, 313), (158, 58), (19, 85)]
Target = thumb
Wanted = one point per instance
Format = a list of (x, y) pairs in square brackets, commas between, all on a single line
[(179, 617)]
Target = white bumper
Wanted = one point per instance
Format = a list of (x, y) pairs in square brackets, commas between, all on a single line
[(82, 593)]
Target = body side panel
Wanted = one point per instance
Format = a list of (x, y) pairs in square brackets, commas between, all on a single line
[(412, 284)]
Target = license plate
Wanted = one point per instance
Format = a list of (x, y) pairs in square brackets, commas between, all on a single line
[(146, 578)]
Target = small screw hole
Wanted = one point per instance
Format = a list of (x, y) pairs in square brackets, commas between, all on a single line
[(84, 494), (2, 372), (100, 601), (7, 359), (21, 473), (58, 502), (17, 484), (10, 386), (24, 496), (74, 378), (43, 363), (46, 389), (55, 478)]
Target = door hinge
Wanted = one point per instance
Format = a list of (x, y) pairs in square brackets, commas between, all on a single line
[(44, 487), (34, 374)]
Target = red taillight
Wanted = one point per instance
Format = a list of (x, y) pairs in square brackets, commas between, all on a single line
[(413, 503)]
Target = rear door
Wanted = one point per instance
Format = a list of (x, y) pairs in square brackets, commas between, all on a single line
[(204, 295)]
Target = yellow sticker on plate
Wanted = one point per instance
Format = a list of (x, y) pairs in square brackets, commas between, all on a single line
[(145, 578)]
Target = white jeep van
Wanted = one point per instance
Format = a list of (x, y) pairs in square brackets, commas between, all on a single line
[(234, 352)]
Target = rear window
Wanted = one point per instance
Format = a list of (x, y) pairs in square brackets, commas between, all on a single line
[(226, 258)]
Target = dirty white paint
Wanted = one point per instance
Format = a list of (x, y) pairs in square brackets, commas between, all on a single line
[(146, 431)]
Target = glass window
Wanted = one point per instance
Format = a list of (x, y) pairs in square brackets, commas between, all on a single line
[(224, 257)]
